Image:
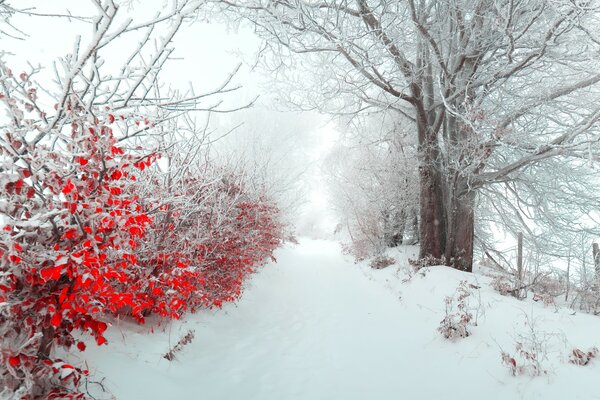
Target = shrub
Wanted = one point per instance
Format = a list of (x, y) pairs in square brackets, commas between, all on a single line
[(529, 363), (580, 357), (530, 351), (457, 321), (502, 285), (68, 248), (382, 261), (80, 243), (428, 261), (545, 298), (185, 340)]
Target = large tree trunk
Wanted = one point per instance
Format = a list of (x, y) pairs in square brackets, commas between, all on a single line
[(460, 235), (447, 224), (447, 214), (447, 217), (432, 235), (432, 228)]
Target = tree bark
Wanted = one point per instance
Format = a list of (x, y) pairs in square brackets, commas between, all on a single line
[(459, 247), (432, 228)]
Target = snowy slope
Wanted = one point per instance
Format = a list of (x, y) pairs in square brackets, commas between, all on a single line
[(317, 326)]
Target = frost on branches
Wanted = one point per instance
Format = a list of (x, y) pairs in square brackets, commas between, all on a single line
[(79, 245), (209, 232), (91, 226), (80, 241), (457, 322), (71, 229)]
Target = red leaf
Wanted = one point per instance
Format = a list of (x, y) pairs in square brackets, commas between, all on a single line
[(68, 188), (101, 327), (111, 118), (63, 295), (116, 150), (135, 231), (46, 273), (56, 319), (14, 361), (71, 234), (81, 346), (100, 340), (115, 176)]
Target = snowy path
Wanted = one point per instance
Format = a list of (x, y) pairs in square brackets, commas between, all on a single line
[(313, 327)]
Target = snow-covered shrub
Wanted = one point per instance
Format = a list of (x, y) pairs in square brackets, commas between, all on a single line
[(428, 261), (580, 357), (80, 244), (209, 233), (360, 249), (545, 298), (374, 184), (458, 318), (587, 297), (546, 287), (382, 261), (528, 361), (291, 238), (543, 286), (531, 349), (502, 285), (67, 252), (185, 340)]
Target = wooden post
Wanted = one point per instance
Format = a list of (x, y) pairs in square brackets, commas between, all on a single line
[(568, 275), (596, 254), (519, 280)]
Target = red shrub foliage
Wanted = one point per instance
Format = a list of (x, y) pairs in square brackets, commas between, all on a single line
[(216, 236), (68, 248), (78, 245)]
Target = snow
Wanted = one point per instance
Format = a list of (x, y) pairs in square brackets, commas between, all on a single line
[(315, 325)]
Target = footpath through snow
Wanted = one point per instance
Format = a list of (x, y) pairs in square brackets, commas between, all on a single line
[(316, 326)]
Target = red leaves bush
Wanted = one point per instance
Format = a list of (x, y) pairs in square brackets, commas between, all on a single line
[(78, 244), (66, 258), (206, 240)]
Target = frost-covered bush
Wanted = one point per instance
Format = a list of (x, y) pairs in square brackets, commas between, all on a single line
[(458, 318), (428, 261), (580, 357), (531, 350), (382, 261), (502, 285), (587, 298), (184, 341), (526, 361), (68, 243), (545, 298), (80, 242)]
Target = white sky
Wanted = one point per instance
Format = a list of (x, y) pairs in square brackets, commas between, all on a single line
[(205, 54)]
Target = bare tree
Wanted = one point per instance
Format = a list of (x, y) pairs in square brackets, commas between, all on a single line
[(492, 87)]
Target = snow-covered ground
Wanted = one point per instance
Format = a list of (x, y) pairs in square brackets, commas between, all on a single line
[(317, 326)]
